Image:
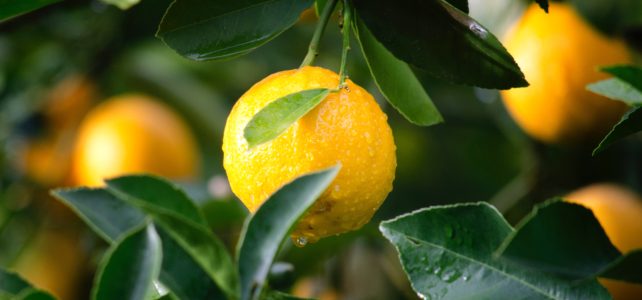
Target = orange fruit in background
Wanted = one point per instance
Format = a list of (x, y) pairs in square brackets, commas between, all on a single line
[(310, 287), (133, 134), (55, 262), (619, 211), (347, 127), (560, 54)]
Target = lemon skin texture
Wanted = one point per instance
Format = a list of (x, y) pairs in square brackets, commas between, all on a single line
[(347, 128), (619, 211), (560, 54), (133, 134)]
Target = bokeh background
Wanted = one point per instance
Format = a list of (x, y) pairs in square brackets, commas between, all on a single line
[(59, 62)]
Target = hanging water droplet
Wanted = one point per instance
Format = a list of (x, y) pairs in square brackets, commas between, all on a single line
[(465, 278), (300, 241)]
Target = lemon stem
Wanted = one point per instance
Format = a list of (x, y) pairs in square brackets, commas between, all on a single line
[(313, 51), (347, 19)]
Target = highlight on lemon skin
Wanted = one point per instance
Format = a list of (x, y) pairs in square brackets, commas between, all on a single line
[(347, 127), (619, 211), (560, 53), (133, 134)]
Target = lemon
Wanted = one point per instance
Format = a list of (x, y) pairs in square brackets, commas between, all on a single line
[(133, 134), (347, 127), (619, 211), (559, 54)]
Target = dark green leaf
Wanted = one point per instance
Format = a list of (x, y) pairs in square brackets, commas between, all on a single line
[(543, 4), (626, 268), (630, 123), (276, 295), (204, 248), (319, 5), (183, 275), (611, 17), (122, 4), (269, 226), (447, 252), (205, 29), (277, 116), (459, 4), (130, 266), (11, 283), (561, 237), (629, 74), (33, 294), (437, 37), (154, 191), (396, 81), (617, 89), (13, 8), (107, 215)]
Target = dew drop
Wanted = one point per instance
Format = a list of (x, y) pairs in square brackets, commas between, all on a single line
[(300, 241), (480, 31)]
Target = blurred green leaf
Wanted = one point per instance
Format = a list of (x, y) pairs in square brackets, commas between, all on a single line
[(447, 252), (439, 38), (130, 266), (279, 114), (33, 294), (122, 4), (628, 73), (617, 89), (276, 295), (566, 239), (13, 8), (396, 81), (203, 29), (164, 196), (107, 215), (611, 17), (14, 287), (269, 226)]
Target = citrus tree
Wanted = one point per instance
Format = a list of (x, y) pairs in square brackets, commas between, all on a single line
[(310, 153)]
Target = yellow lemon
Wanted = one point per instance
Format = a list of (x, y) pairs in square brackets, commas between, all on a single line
[(560, 54), (347, 127), (133, 134), (619, 211)]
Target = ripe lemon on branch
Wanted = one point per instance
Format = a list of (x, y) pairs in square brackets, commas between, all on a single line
[(619, 211), (560, 54), (347, 127)]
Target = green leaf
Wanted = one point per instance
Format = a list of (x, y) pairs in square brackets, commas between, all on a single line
[(611, 17), (268, 227), (276, 295), (14, 287), (617, 89), (277, 116), (182, 275), (146, 190), (566, 239), (205, 29), (442, 40), (13, 8), (561, 237), (396, 81), (543, 4), (130, 266), (122, 4), (628, 73), (447, 252), (200, 252), (33, 294), (204, 248), (107, 215)]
